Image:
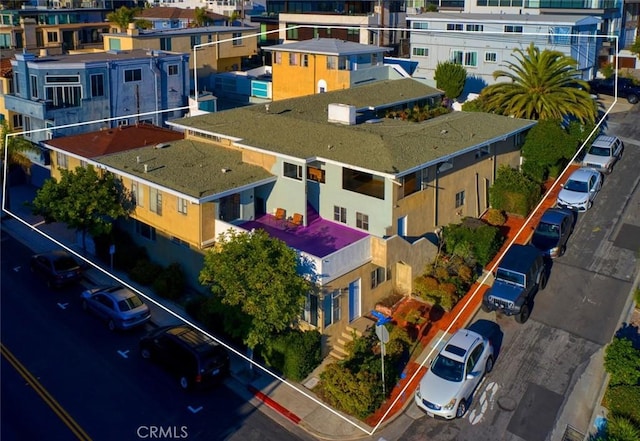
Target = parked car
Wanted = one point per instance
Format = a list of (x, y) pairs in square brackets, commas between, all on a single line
[(522, 271), (603, 153), (58, 267), (626, 88), (119, 307), (193, 357), (444, 391), (580, 190), (553, 231)]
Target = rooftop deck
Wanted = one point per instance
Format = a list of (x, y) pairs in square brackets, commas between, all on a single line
[(319, 238)]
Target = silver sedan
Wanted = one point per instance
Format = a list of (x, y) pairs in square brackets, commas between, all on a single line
[(119, 307)]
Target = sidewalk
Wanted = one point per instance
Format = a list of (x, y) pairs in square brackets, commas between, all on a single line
[(295, 402)]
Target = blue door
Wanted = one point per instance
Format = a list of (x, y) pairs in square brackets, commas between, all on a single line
[(402, 226), (354, 300)]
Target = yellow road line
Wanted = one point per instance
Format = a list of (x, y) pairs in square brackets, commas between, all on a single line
[(46, 397)]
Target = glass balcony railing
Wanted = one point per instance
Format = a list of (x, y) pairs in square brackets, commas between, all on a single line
[(573, 4)]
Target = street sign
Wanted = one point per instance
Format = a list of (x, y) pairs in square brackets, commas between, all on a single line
[(383, 333)]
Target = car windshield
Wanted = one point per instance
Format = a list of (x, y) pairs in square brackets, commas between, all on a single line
[(579, 186), (600, 151), (64, 263), (129, 303), (510, 276), (548, 230), (447, 368)]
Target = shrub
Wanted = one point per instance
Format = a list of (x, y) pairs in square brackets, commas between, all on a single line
[(622, 362), (465, 273), (620, 428), (495, 217), (483, 240), (145, 272), (424, 287), (127, 252), (357, 393), (295, 353), (535, 171), (450, 77), (513, 192), (607, 70), (170, 282), (624, 401)]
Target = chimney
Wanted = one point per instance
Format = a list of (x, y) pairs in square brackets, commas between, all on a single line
[(146, 168), (132, 30)]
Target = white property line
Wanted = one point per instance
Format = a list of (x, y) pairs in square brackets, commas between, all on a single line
[(252, 362)]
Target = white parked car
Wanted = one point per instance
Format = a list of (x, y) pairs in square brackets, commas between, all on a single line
[(580, 190), (603, 153), (447, 387)]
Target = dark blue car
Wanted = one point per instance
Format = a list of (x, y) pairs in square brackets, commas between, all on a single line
[(553, 231)]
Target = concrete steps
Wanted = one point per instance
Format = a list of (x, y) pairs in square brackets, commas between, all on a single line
[(339, 350)]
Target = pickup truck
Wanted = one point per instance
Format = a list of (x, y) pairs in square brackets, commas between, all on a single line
[(627, 88), (520, 274)]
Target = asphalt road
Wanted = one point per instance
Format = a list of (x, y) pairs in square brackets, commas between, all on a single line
[(95, 378), (540, 363)]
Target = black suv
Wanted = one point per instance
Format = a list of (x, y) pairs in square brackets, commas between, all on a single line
[(193, 357), (626, 88), (521, 272)]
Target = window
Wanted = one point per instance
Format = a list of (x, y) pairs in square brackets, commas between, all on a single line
[(182, 205), (340, 214), (293, 59), (456, 57), (475, 28), (490, 57), (455, 27), (16, 82), (97, 85), (277, 58), (155, 201), (178, 241), (173, 69), (483, 151), (514, 29), (419, 25), (131, 75), (195, 39), (52, 37), (343, 63), (62, 160), (362, 221), (17, 121), (363, 183), (305, 60), (138, 194), (471, 59), (292, 171), (34, 87), (420, 51), (378, 276), (237, 39), (315, 174), (144, 230), (459, 199), (292, 33), (311, 309), (165, 44), (332, 62), (27, 126), (331, 308), (63, 90)]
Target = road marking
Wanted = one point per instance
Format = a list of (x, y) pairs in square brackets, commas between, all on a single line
[(475, 416), (124, 353), (17, 268), (38, 224), (46, 397), (63, 305), (194, 410)]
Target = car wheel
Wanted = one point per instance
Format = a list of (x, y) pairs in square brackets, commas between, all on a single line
[(85, 305), (462, 409), (610, 169), (633, 99), (542, 284), (485, 307), (111, 325), (524, 314), (589, 205), (184, 383), (563, 250), (145, 353), (489, 366)]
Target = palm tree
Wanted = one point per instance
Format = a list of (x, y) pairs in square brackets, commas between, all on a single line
[(14, 155), (121, 17), (544, 85), (200, 18)]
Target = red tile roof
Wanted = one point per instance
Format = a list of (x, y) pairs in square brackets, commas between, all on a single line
[(5, 68), (108, 141)]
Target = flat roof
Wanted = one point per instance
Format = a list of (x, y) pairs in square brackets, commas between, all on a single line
[(299, 128), (327, 46), (150, 33), (189, 167), (504, 18), (89, 57)]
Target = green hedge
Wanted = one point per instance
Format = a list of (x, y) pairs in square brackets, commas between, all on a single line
[(481, 241), (514, 192), (624, 401), (296, 353)]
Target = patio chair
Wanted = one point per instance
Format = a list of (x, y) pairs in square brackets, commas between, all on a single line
[(281, 215), (296, 220)]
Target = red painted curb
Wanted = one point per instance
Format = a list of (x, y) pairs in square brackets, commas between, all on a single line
[(274, 405)]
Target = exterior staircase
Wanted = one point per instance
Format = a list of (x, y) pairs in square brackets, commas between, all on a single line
[(351, 331)]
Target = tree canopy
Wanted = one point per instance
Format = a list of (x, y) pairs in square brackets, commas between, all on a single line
[(257, 275), (450, 77), (121, 17), (86, 199), (16, 148), (542, 85)]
